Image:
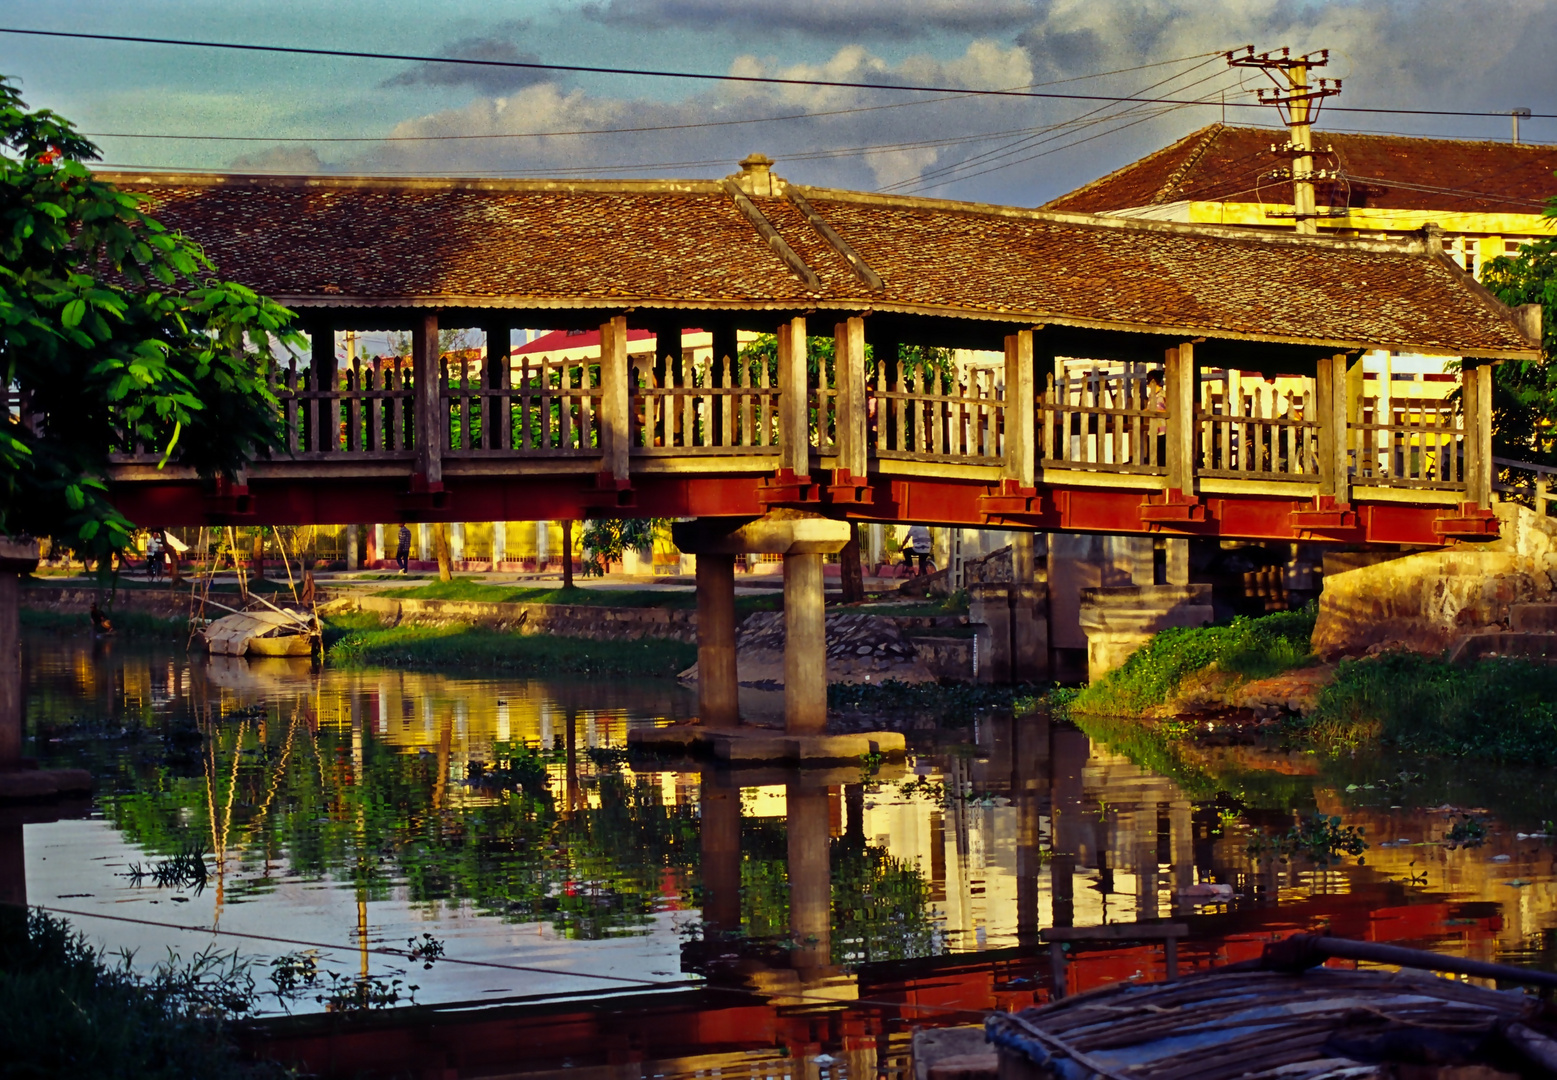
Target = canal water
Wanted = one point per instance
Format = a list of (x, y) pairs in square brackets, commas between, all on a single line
[(487, 840)]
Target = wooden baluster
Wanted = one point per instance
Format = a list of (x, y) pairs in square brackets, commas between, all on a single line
[(688, 378)]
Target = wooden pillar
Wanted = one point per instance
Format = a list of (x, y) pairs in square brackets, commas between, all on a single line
[(1179, 384), (428, 396), (851, 423), (794, 398), (718, 686), (1331, 390), (1476, 401), (1020, 405), (327, 411), (496, 375), (805, 646), (615, 437)]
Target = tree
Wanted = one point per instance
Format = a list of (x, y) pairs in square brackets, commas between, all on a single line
[(114, 332), (1524, 395), (606, 540)]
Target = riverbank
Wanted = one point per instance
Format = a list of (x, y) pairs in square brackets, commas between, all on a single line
[(1259, 676)]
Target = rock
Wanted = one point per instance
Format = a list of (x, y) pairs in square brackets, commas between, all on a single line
[(1208, 892)]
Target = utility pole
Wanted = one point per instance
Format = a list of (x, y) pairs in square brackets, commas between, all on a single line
[(1298, 103), (1516, 114)]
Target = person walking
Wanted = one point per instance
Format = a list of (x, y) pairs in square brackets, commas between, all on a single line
[(917, 543), (154, 554), (403, 547)]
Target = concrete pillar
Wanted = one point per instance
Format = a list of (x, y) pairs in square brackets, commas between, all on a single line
[(353, 559), (1118, 621), (720, 835), (10, 670), (1178, 560), (423, 541), (542, 545), (17, 557), (457, 541), (1070, 750), (810, 877), (718, 686), (499, 542), (805, 646)]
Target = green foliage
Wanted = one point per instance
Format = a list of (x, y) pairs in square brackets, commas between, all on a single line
[(66, 1010), (139, 624), (116, 334), (1247, 648), (1497, 710), (471, 589), (1319, 839), (1524, 397), (951, 704), (606, 540), (1466, 831), (363, 642)]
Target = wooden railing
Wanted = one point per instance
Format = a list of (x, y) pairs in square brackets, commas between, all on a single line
[(1098, 420), (858, 415), (921, 410), (1521, 481), (723, 406), (1252, 428), (1414, 442)]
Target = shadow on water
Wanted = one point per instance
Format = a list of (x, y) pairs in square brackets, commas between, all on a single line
[(488, 841)]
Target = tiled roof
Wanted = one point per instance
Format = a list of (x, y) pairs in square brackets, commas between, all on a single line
[(1230, 164), (329, 242)]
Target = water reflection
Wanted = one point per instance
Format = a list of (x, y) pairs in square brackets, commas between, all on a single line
[(360, 810)]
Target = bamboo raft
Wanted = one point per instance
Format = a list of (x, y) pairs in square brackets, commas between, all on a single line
[(1281, 1019)]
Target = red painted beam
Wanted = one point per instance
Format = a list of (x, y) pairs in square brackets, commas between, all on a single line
[(933, 500)]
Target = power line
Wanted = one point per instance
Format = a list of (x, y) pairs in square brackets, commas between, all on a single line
[(618, 131), (770, 80)]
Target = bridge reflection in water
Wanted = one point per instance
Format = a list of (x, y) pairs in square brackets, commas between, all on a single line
[(693, 921)]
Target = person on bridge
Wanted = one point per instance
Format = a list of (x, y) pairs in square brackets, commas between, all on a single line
[(1157, 401), (403, 547)]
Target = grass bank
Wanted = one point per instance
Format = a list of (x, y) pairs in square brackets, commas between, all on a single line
[(360, 641), (468, 589), (1493, 710), (125, 623), (1246, 649), (66, 1010)]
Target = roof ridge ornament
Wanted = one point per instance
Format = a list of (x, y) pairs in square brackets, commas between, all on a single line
[(757, 178)]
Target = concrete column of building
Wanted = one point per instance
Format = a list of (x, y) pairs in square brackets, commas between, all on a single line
[(542, 545), (17, 557), (423, 542), (457, 541), (807, 816), (805, 646), (719, 832), (499, 542), (718, 687), (353, 556)]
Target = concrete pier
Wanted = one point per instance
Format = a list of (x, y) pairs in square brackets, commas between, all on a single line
[(1119, 621), (805, 646), (802, 539), (807, 818), (718, 683)]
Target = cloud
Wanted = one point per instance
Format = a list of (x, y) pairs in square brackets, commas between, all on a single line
[(862, 19), (696, 135), (496, 46), (293, 160)]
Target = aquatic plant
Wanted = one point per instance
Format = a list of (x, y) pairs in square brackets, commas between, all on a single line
[(1320, 839), (185, 870), (1497, 710), (1466, 832), (67, 1009), (1245, 649)]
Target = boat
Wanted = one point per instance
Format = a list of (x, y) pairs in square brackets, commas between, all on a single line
[(1286, 1016), (259, 633)]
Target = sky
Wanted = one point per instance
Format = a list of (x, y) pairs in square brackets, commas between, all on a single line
[(292, 113)]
